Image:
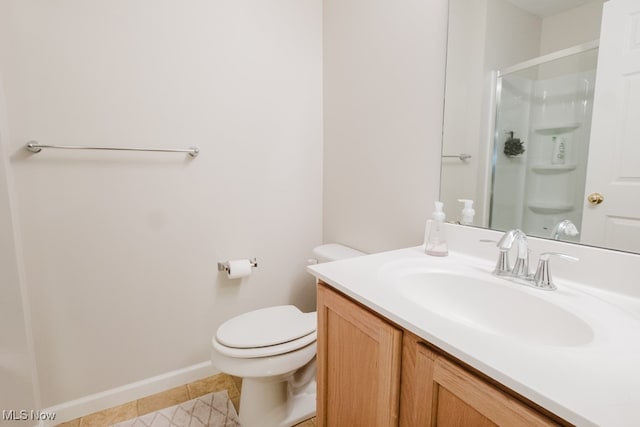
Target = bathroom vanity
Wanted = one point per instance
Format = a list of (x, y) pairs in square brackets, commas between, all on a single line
[(407, 380), (411, 340)]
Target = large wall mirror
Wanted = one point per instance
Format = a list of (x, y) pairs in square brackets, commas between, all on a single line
[(542, 118)]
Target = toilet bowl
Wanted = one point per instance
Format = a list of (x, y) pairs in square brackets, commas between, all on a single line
[(273, 350)]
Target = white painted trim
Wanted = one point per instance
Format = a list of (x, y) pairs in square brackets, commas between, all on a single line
[(486, 154), (117, 396), (18, 248), (573, 50)]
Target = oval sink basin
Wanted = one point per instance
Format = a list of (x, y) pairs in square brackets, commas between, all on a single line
[(494, 308)]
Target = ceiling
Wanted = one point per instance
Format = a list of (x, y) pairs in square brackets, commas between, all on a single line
[(544, 8)]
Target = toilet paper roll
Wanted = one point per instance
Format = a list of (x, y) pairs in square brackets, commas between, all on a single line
[(239, 268)]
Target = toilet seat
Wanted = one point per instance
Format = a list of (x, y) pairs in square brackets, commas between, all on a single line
[(273, 350), (266, 332)]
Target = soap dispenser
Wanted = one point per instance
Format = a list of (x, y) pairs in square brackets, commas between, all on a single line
[(436, 244), (467, 212)]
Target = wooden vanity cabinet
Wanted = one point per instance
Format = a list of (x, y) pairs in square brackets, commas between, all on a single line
[(373, 373), (438, 391), (358, 364)]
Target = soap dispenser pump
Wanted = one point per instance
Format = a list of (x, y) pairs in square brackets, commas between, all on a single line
[(436, 244), (467, 212)]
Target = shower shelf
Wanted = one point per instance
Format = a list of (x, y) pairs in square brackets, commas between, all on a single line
[(551, 169), (550, 207), (556, 128)]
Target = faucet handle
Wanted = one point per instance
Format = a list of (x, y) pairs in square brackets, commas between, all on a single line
[(502, 266), (521, 267), (542, 279)]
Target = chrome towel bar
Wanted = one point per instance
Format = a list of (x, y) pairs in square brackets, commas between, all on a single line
[(462, 156), (34, 147)]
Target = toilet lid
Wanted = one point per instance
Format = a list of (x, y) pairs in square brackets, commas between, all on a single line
[(266, 327), (272, 350)]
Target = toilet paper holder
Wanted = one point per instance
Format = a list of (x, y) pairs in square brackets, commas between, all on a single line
[(224, 266)]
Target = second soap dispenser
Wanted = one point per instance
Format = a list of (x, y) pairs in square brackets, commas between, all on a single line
[(467, 212), (436, 242)]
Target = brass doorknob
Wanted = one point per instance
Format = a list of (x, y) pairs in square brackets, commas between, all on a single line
[(595, 198)]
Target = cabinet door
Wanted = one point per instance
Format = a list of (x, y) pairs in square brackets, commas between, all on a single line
[(358, 365), (452, 396)]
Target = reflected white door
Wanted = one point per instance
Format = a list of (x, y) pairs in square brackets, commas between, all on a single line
[(614, 153)]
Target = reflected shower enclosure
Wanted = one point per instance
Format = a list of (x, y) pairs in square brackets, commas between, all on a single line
[(542, 127)]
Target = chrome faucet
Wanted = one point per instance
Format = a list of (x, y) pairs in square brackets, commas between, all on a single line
[(520, 271), (521, 266), (564, 227)]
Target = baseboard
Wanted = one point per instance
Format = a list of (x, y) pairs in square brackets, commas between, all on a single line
[(117, 396)]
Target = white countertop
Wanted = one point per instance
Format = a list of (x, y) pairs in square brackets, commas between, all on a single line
[(596, 382)]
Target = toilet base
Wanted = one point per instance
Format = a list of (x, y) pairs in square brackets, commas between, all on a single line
[(273, 402), (277, 391)]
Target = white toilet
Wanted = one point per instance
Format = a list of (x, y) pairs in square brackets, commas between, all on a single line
[(273, 350)]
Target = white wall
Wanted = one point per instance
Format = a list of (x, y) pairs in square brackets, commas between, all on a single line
[(121, 248), (383, 93), (575, 26), (513, 35), (488, 35), (463, 118), (567, 29), (17, 388)]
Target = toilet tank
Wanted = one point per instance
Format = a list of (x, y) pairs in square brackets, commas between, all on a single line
[(333, 252)]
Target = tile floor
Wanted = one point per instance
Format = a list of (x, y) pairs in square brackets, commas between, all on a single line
[(167, 398)]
